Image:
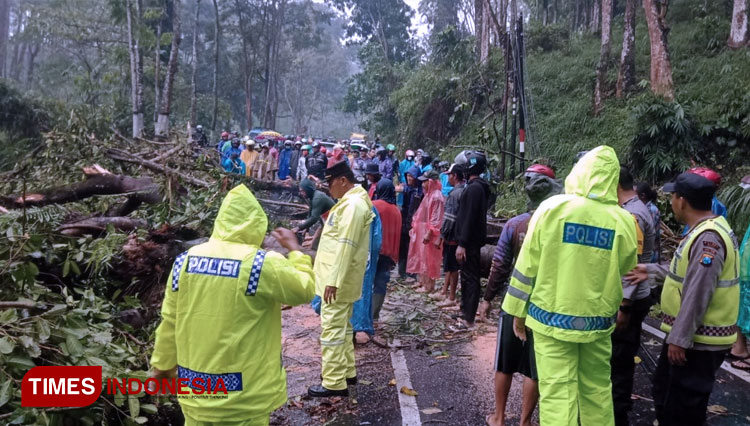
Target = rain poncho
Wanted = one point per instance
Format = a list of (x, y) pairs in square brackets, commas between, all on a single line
[(284, 163), (743, 322), (262, 168), (301, 168), (320, 203), (447, 187), (233, 165), (248, 157), (361, 319), (577, 248), (426, 258), (221, 318), (341, 259)]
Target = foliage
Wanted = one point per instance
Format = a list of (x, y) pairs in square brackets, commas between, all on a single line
[(547, 38), (666, 142), (737, 201)]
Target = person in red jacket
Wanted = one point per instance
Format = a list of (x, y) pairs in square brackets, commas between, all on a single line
[(390, 221)]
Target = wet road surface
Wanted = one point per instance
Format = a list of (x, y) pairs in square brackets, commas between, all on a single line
[(452, 373)]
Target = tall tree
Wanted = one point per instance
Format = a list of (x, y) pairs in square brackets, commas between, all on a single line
[(193, 84), (739, 35), (4, 33), (136, 65), (479, 27), (157, 70), (162, 123), (661, 66), (248, 38), (626, 75), (604, 52), (217, 36)]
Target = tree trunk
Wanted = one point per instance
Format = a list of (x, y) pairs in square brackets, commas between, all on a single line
[(661, 67), (194, 92), (157, 70), (596, 13), (484, 52), (4, 33), (136, 68), (248, 68), (19, 47), (601, 67), (626, 76), (161, 129), (739, 36), (217, 35), (33, 52), (478, 26)]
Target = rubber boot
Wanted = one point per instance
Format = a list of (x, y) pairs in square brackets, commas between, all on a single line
[(377, 303)]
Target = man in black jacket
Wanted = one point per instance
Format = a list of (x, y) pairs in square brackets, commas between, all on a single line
[(471, 231), (317, 162)]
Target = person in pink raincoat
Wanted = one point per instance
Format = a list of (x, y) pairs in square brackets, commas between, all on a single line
[(425, 245)]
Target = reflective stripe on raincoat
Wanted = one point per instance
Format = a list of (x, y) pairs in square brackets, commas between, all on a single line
[(577, 248), (221, 315), (344, 245)]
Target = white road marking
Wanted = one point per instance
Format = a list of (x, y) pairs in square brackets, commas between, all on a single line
[(725, 365), (409, 408)]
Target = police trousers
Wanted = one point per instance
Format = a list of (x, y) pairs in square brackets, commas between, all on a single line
[(574, 381), (336, 344), (681, 392), (255, 421), (625, 344)]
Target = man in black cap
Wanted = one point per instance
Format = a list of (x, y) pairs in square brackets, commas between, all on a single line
[(339, 269), (699, 304), (372, 175)]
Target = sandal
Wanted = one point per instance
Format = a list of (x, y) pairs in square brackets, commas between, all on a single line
[(734, 357), (741, 364)]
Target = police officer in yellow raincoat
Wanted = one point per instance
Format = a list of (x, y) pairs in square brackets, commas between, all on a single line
[(340, 265), (221, 316), (566, 288)]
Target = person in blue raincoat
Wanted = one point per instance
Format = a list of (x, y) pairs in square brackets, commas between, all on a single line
[(285, 160), (231, 162), (362, 317)]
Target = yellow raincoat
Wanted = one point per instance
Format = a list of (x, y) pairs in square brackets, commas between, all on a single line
[(340, 262), (248, 157), (221, 315), (567, 284)]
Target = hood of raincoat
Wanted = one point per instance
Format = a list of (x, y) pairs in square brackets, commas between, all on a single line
[(595, 176), (309, 187), (241, 219), (415, 171), (432, 185), (385, 191)]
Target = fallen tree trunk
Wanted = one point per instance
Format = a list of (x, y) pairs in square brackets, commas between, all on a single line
[(144, 189), (97, 225), (121, 155)]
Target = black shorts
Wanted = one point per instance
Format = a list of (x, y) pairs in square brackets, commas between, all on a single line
[(513, 355), (450, 264)]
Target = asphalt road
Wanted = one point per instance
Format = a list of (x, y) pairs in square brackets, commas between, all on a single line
[(451, 375)]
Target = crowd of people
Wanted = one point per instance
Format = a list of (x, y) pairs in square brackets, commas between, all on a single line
[(577, 273)]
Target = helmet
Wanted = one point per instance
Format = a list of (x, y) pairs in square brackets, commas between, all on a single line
[(297, 143), (315, 144), (224, 135), (199, 128), (306, 147), (443, 164), (541, 169), (409, 153), (287, 143), (420, 151), (391, 147), (707, 173), (472, 162)]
